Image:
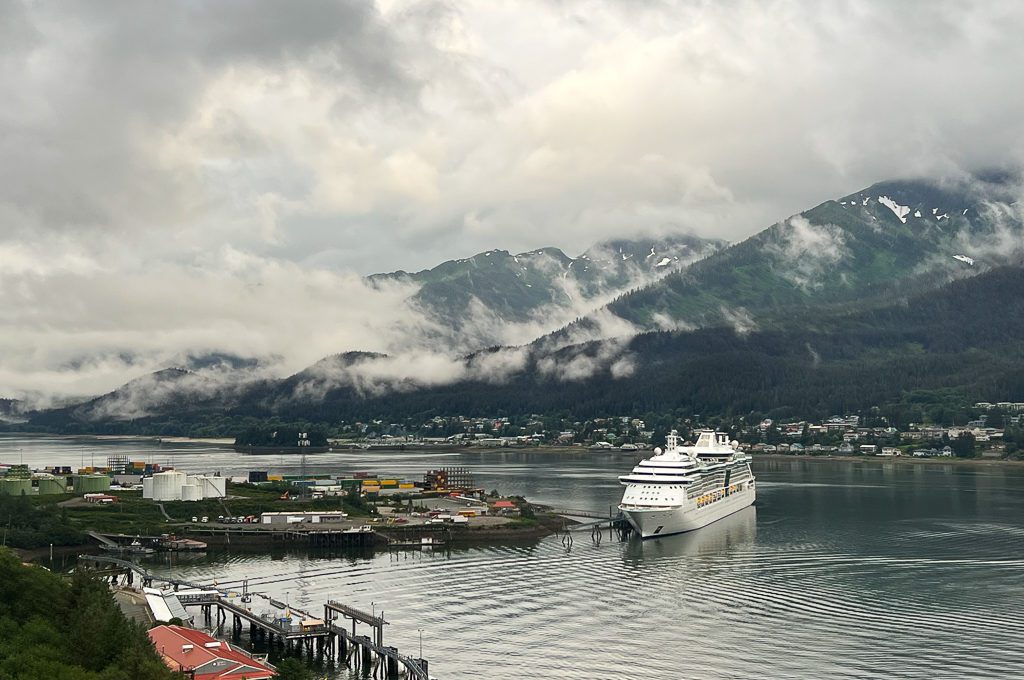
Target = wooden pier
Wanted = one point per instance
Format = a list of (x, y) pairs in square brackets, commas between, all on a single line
[(308, 636), (327, 638), (363, 648), (340, 538)]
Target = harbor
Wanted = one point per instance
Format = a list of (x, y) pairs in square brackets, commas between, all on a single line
[(799, 561)]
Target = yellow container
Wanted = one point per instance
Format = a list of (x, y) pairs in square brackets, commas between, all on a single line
[(275, 478), (406, 486)]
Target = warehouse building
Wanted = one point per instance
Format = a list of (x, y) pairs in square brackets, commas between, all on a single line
[(300, 517)]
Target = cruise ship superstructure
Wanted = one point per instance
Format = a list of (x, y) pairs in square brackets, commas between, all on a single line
[(687, 487)]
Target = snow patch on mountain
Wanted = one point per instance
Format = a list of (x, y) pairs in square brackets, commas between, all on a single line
[(901, 211)]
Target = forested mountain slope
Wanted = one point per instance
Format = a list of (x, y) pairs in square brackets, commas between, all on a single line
[(967, 338), (891, 239)]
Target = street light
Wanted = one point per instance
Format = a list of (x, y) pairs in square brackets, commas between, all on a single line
[(421, 642), (373, 609)]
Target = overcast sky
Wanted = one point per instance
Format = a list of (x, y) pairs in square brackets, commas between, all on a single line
[(217, 175)]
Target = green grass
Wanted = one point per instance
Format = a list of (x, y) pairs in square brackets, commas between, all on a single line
[(132, 514)]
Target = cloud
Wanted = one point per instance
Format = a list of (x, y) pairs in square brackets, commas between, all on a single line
[(377, 375), (740, 318), (183, 177), (1003, 243), (807, 251), (85, 327)]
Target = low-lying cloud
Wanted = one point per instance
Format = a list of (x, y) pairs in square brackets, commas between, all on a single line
[(807, 251)]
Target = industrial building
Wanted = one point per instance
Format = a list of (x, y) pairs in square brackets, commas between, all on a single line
[(449, 478), (178, 486), (300, 517)]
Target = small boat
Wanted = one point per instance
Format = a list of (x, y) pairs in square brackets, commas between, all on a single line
[(137, 548), (182, 544)]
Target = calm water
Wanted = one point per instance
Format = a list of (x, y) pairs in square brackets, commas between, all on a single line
[(842, 570)]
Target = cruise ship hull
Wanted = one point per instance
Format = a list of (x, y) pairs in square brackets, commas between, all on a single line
[(650, 523)]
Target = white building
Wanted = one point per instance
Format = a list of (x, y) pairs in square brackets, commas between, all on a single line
[(177, 486), (303, 517)]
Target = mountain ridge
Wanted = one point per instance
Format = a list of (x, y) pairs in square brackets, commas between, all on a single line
[(847, 362), (872, 251)]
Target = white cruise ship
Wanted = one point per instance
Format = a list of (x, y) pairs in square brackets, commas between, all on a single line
[(687, 487)]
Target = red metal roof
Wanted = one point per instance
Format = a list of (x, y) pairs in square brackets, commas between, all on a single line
[(504, 504), (222, 662)]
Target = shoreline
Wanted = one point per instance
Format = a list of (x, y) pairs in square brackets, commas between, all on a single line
[(228, 444), (266, 542), (909, 460)]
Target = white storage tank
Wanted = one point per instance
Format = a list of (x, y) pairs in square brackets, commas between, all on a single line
[(214, 487), (147, 487), (167, 485), (191, 492)]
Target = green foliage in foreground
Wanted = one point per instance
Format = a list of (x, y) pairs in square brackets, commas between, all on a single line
[(293, 669), (24, 525), (54, 629)]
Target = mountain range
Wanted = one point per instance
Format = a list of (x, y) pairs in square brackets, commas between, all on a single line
[(903, 287), (891, 239), (473, 296)]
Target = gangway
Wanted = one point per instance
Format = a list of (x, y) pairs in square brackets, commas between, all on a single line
[(147, 577), (103, 540)]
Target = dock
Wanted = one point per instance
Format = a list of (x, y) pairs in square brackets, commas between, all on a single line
[(122, 542), (340, 538), (335, 636)]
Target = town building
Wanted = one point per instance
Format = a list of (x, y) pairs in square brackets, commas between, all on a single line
[(201, 657), (504, 507)]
